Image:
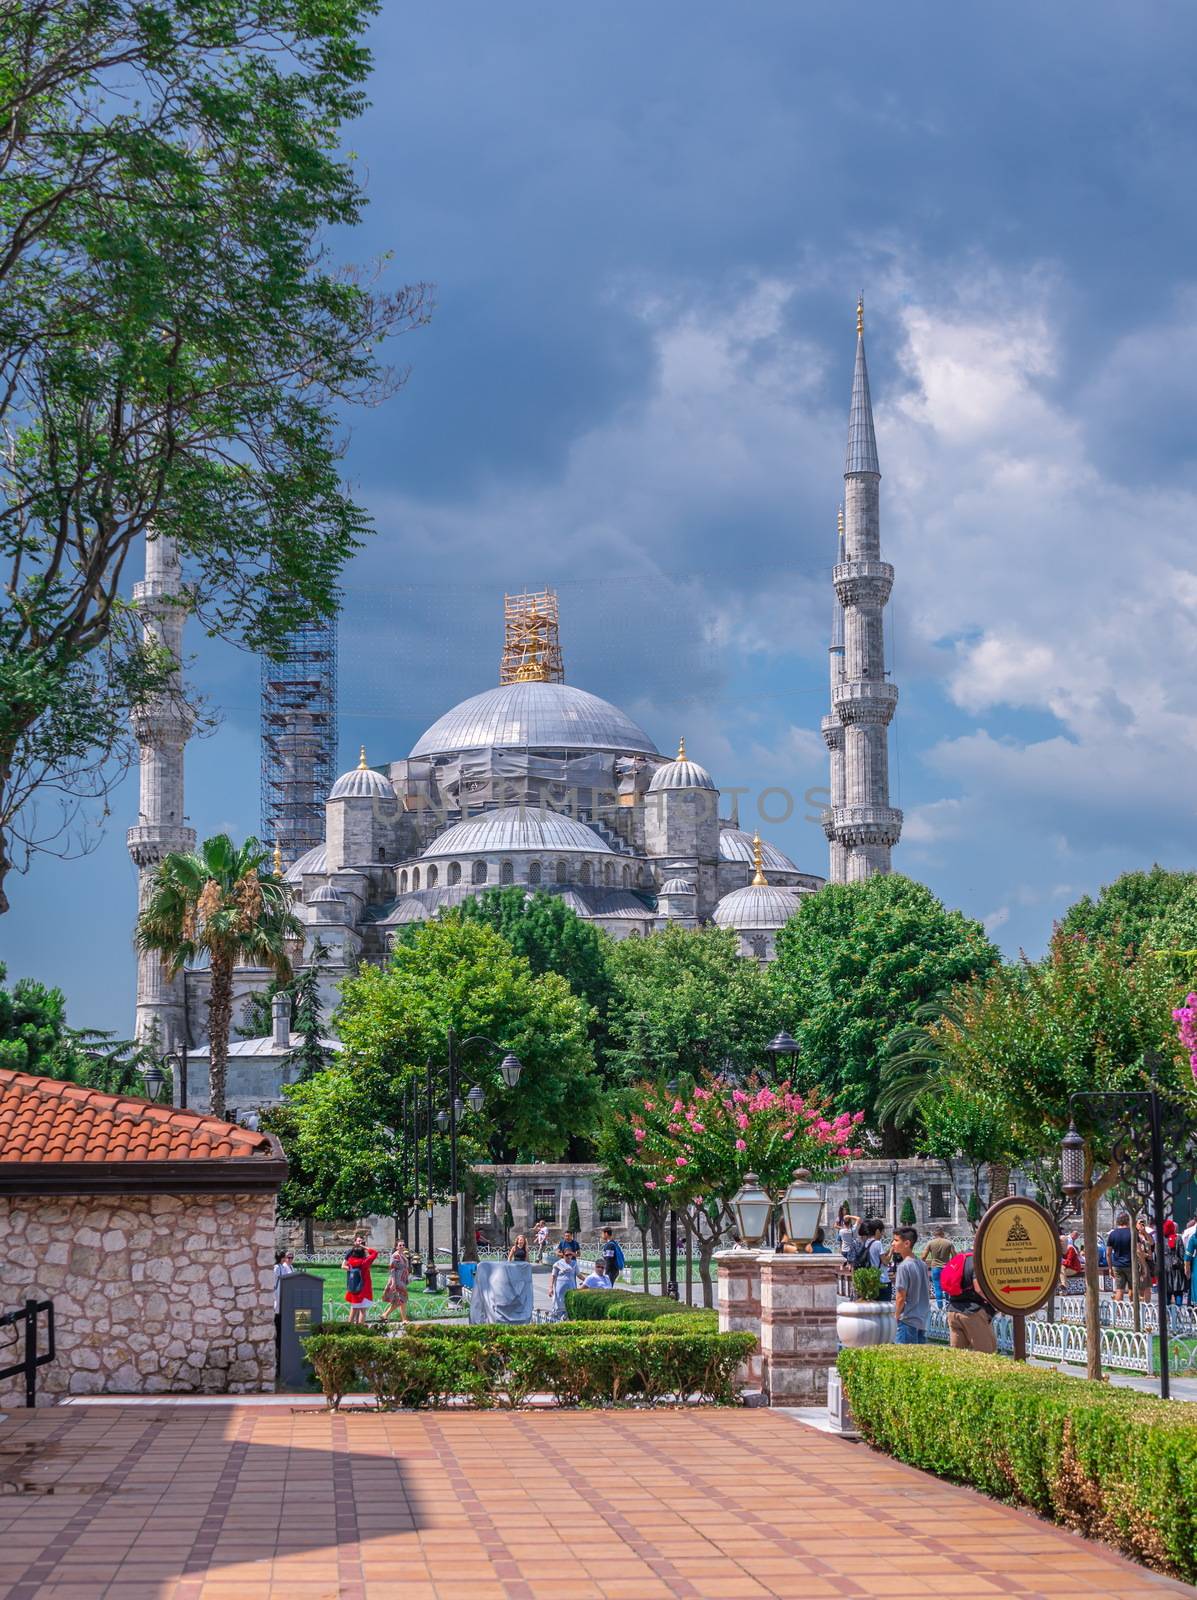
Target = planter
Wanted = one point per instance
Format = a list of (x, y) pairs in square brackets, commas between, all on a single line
[(864, 1322)]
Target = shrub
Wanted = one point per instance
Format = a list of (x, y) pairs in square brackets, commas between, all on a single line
[(866, 1283), (500, 1330), (906, 1217), (688, 1321), (620, 1305), (1110, 1463), (505, 1365)]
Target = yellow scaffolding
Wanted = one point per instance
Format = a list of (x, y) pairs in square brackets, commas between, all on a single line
[(531, 641)]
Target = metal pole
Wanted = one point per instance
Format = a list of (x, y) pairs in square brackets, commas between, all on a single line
[(1161, 1264), (671, 1289), (30, 1353), (431, 1260), (453, 1209)]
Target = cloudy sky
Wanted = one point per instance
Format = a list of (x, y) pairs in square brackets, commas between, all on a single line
[(647, 227)]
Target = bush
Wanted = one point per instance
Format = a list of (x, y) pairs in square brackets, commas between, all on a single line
[(688, 1321), (1110, 1463), (505, 1365), (620, 1305), (866, 1283), (500, 1330)]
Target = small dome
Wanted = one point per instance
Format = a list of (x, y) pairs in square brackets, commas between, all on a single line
[(756, 908), (324, 895), (680, 774), (517, 828), (313, 860), (677, 886), (736, 845), (363, 783)]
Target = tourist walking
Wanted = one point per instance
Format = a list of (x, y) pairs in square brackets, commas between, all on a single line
[(569, 1244), (970, 1316), (868, 1251), (1120, 1241), (519, 1250), (939, 1251), (612, 1256), (398, 1282), (359, 1289), (912, 1292), (282, 1269), (562, 1279)]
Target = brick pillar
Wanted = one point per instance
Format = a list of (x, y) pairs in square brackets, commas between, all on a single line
[(798, 1340), (738, 1289)]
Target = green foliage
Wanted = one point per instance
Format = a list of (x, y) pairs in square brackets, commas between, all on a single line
[(575, 1217), (1127, 913), (907, 1216), (175, 352), (34, 1037), (505, 1366), (621, 1305), (866, 1283), (857, 964), (686, 1000), (1110, 1463), (688, 1320), (974, 1208)]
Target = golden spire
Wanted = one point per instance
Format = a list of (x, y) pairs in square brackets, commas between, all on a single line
[(839, 521), (278, 859), (361, 760), (860, 314), (681, 748), (759, 880)]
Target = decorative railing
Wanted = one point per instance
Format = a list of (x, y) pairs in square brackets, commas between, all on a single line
[(1065, 1342)]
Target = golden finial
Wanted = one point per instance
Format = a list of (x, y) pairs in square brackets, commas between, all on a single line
[(361, 760), (839, 521), (278, 859), (681, 748), (759, 880), (860, 314)]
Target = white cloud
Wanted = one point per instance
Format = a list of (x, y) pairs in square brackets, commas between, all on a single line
[(996, 919)]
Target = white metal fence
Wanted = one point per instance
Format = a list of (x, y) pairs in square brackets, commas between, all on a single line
[(1065, 1342)]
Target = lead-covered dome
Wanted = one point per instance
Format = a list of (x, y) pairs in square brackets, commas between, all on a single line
[(736, 845), (363, 783), (757, 908), (534, 716), (517, 828), (680, 774)]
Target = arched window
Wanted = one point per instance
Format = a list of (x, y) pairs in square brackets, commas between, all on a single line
[(561, 872), (382, 852), (534, 872), (584, 874), (506, 872), (479, 872), (455, 872), (415, 877), (760, 946), (608, 873), (432, 877), (627, 878), (403, 881)]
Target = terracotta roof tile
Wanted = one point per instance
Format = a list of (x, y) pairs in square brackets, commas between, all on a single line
[(42, 1120)]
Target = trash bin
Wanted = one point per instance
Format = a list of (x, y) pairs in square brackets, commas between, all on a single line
[(301, 1303)]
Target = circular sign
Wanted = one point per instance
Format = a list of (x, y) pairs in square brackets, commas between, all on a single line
[(1016, 1255)]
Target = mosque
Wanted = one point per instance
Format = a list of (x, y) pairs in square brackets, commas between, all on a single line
[(541, 784)]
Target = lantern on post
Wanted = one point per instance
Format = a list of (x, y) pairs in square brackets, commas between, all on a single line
[(800, 1206), (753, 1208)]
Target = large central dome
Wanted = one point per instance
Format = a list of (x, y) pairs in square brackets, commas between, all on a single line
[(534, 716)]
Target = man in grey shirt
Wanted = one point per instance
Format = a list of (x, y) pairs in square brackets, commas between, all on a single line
[(912, 1294)]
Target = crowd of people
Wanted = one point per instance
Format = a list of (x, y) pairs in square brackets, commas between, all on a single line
[(1128, 1252)]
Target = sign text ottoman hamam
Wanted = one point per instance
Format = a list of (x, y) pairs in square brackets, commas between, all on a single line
[(1016, 1255)]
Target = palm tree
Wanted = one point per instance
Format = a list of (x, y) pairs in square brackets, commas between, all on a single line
[(220, 902)]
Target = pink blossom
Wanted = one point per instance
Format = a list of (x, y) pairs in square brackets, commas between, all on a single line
[(680, 1161), (677, 1106), (741, 1144), (788, 1136), (650, 1184), (741, 1120), (628, 1162), (698, 1127), (640, 1135), (669, 1177), (648, 1105)]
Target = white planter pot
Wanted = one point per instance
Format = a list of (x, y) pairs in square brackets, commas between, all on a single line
[(864, 1322)]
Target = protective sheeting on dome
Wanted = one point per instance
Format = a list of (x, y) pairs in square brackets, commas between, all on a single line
[(499, 777), (517, 828), (534, 716)]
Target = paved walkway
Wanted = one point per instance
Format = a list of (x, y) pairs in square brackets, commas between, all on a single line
[(260, 1503)]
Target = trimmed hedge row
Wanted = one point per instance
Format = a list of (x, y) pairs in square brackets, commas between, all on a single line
[(623, 1305), (505, 1365), (1110, 1463)]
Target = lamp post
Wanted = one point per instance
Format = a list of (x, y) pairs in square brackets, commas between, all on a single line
[(671, 1285), (753, 1209), (154, 1079), (1132, 1103), (510, 1067), (782, 1048)]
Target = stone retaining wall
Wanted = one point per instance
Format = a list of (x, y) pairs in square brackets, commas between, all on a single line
[(152, 1293)]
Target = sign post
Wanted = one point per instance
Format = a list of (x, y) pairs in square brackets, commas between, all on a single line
[(1016, 1261)]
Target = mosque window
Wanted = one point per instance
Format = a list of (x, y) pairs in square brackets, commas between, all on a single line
[(382, 852), (506, 872), (415, 877), (479, 872), (561, 872), (403, 881), (455, 872), (608, 873), (627, 878), (432, 877), (759, 946), (584, 874), (534, 872)]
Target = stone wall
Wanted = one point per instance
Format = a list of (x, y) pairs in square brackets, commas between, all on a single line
[(152, 1293)]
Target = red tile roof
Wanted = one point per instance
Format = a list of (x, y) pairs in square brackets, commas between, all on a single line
[(43, 1120)]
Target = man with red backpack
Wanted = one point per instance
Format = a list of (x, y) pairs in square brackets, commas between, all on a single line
[(970, 1316)]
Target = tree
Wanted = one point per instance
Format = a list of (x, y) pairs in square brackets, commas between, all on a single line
[(686, 998), (859, 963), (219, 903), (907, 1216), (175, 352), (1032, 1035), (575, 1219), (311, 1054), (35, 1038), (1126, 911)]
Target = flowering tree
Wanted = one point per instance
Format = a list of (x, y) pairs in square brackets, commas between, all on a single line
[(1185, 1018), (695, 1147)]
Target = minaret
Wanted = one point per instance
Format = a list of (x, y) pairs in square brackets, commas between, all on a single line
[(863, 824), (162, 726), (833, 728)]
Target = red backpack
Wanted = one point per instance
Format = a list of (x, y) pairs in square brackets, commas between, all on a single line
[(951, 1279)]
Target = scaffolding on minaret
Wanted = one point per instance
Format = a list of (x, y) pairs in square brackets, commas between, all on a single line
[(299, 739), (531, 641)]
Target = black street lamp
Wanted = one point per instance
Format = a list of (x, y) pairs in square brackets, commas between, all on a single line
[(671, 1286), (154, 1078), (782, 1048), (510, 1067)]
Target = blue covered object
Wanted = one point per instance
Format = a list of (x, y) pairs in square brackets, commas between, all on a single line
[(466, 1271), (502, 1292)]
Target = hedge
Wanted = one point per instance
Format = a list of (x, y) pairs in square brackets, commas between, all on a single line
[(505, 1365), (619, 1305), (1110, 1463)]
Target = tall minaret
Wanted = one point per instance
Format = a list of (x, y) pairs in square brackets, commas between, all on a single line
[(864, 825), (162, 726), (833, 728)]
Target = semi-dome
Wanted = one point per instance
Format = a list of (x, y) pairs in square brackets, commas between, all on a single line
[(756, 908), (736, 845), (325, 893), (312, 861), (517, 828), (680, 774), (534, 716), (363, 783), (677, 886)]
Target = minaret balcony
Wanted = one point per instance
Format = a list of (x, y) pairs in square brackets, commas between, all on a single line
[(865, 700), (862, 583), (832, 730), (853, 825), (151, 842)]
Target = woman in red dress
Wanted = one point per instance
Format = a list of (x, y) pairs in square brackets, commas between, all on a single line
[(359, 1291)]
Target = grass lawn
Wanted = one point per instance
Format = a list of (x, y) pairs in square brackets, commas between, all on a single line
[(419, 1303)]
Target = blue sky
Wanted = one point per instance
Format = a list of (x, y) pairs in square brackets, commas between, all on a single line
[(647, 227)]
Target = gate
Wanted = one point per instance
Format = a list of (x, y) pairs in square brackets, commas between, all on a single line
[(30, 1361)]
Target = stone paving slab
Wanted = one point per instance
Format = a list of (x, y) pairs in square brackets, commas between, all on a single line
[(258, 1503)]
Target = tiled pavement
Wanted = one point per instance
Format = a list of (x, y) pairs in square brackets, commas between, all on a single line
[(270, 1504)]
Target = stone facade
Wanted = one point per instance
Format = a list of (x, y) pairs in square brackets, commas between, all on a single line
[(739, 1295), (153, 1293)]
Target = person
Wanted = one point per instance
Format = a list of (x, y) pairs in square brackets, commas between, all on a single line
[(845, 1226), (569, 1244), (563, 1277), (1071, 1265), (1175, 1263), (818, 1246), (282, 1269), (939, 1251), (1119, 1244), (970, 1316), (612, 1255), (596, 1278), (912, 1294), (519, 1250), (868, 1251), (1145, 1241), (359, 1290), (541, 1237), (398, 1278), (1191, 1264)]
